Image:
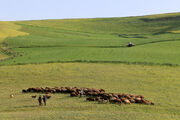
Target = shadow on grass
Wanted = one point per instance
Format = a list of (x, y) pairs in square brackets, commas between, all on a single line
[(20, 108), (30, 106), (26, 106)]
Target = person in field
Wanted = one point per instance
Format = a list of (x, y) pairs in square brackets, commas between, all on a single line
[(81, 92), (40, 100), (44, 99)]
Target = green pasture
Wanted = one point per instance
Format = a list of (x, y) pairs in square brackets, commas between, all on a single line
[(80, 52), (159, 84), (97, 40), (166, 53)]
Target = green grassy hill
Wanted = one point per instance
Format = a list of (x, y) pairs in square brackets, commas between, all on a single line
[(98, 40), (159, 84), (91, 53)]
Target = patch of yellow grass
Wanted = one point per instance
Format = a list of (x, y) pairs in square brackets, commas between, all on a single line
[(9, 29), (176, 31)]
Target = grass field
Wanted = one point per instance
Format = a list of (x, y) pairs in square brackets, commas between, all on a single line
[(157, 83), (164, 53), (156, 38), (91, 53)]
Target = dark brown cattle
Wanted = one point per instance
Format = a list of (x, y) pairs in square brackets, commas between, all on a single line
[(128, 96), (115, 100), (95, 90), (24, 91), (85, 90), (48, 96), (138, 100), (78, 89), (58, 90), (132, 100), (105, 96), (147, 102), (102, 90), (68, 89), (110, 95), (63, 90), (89, 93), (126, 101), (90, 99), (118, 100), (29, 89), (73, 94), (73, 90), (140, 96), (152, 103), (38, 90), (96, 94), (116, 96), (112, 100), (33, 96), (98, 98)]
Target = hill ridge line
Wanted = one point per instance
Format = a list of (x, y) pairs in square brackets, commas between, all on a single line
[(100, 62)]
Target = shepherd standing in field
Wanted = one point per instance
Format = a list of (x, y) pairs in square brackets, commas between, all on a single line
[(44, 99), (40, 100), (81, 92)]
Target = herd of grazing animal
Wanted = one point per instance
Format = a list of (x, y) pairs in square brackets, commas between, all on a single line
[(92, 95)]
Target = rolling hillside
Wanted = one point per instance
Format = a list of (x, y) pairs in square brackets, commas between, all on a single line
[(98, 40), (91, 53)]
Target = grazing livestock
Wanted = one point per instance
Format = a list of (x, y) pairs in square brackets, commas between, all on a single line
[(74, 94), (24, 91), (11, 96), (94, 94), (90, 99), (48, 96), (33, 96), (126, 101)]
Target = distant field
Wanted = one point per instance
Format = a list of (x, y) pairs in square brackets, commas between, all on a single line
[(97, 40), (156, 53), (157, 83)]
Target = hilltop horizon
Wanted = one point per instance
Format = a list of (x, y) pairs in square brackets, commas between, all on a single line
[(91, 17), (19, 10)]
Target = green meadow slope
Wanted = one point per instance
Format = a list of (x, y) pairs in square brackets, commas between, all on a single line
[(159, 84), (156, 37), (80, 52)]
